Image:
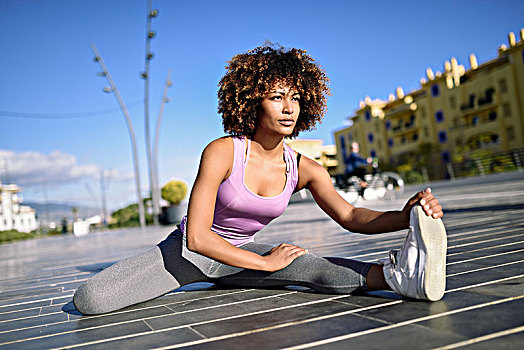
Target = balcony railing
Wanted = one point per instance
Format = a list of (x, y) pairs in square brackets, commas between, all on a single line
[(473, 104), (495, 162)]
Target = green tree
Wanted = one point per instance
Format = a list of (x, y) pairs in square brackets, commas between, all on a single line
[(128, 216)]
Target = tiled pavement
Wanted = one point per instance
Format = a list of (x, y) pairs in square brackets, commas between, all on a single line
[(483, 306)]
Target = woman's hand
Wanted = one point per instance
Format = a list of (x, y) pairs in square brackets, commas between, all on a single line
[(282, 255), (427, 201)]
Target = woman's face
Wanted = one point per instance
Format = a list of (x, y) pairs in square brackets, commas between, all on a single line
[(278, 111)]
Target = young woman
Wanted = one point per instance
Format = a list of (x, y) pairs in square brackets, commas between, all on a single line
[(245, 181)]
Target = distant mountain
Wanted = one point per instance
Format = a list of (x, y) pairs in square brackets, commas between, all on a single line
[(54, 212)]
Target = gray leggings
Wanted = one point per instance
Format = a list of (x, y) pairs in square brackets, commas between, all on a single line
[(164, 268)]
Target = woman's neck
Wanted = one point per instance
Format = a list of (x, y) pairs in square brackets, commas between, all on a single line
[(269, 146)]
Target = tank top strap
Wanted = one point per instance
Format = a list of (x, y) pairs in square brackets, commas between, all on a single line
[(245, 152), (238, 154), (291, 164)]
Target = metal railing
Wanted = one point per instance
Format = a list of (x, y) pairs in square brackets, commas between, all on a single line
[(487, 164), (479, 165)]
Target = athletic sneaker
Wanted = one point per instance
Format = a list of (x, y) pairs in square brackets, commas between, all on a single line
[(418, 269)]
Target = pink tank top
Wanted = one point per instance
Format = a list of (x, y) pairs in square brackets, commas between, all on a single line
[(239, 212)]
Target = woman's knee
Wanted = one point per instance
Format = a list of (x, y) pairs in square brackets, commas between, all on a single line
[(89, 300)]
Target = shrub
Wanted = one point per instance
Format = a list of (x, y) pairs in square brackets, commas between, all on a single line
[(174, 191), (14, 235), (414, 177)]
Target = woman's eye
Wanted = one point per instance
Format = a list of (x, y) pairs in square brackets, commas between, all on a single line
[(275, 98), (296, 98)]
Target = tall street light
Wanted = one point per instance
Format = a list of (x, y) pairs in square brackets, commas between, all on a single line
[(112, 88), (149, 56), (165, 100)]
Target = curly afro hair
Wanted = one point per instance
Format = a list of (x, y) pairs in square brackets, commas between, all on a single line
[(251, 75)]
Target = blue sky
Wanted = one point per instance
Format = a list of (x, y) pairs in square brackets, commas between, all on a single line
[(59, 129)]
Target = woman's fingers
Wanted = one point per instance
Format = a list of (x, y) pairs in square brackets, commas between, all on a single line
[(283, 255), (428, 201), (430, 204)]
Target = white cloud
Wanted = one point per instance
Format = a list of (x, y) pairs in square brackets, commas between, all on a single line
[(57, 168)]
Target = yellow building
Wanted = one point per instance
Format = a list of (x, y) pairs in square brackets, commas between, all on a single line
[(459, 109), (314, 149)]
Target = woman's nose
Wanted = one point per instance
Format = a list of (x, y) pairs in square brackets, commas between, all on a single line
[(288, 106)]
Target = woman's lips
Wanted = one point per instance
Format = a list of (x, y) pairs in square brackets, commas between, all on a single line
[(286, 122)]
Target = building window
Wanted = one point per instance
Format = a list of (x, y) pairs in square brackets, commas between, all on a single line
[(390, 142), (452, 102), (510, 133), (439, 116), (373, 154), (415, 137), (411, 121), (368, 115), (388, 125), (506, 109), (475, 120), (403, 140), (456, 123), (503, 86), (435, 91), (370, 138), (492, 116), (442, 137), (445, 157)]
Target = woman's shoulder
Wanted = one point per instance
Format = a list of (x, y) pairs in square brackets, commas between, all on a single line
[(218, 156), (224, 144), (220, 150), (311, 169)]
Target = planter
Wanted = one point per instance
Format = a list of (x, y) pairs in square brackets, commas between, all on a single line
[(173, 214)]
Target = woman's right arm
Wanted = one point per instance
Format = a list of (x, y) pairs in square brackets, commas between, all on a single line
[(215, 166)]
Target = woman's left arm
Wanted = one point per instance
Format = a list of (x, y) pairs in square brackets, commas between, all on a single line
[(315, 178)]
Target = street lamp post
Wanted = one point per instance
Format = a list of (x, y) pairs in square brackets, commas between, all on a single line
[(165, 99), (149, 56), (112, 88)]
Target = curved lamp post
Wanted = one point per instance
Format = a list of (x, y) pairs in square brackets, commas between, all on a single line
[(112, 88)]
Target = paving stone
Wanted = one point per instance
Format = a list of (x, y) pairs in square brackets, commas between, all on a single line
[(274, 318), (148, 341), (411, 309), (213, 312), (28, 305), (81, 336), (293, 335), (33, 321), (481, 321), (406, 337), (19, 314), (503, 342)]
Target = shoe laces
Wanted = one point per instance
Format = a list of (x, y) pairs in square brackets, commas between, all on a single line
[(393, 256)]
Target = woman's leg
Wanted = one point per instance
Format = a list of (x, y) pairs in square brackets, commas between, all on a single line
[(339, 276), (151, 274), (375, 277)]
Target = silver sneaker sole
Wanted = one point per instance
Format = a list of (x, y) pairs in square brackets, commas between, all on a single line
[(432, 234)]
